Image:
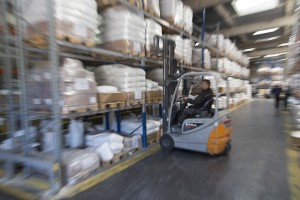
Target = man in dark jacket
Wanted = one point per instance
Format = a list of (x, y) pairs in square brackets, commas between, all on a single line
[(276, 93), (198, 103)]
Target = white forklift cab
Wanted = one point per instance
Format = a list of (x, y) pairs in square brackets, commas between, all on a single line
[(208, 131)]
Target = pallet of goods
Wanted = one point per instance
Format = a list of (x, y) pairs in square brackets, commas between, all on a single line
[(152, 7), (172, 12), (109, 100), (77, 86), (131, 81), (75, 22), (122, 30), (153, 29)]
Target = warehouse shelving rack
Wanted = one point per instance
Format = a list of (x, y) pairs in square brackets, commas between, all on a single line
[(14, 49)]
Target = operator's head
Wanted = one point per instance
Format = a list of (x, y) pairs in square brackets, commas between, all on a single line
[(205, 84)]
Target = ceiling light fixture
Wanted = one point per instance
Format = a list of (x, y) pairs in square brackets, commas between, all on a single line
[(275, 55), (247, 50), (283, 44), (246, 7), (267, 39), (265, 31)]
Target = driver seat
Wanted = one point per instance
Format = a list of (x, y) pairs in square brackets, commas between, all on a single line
[(205, 112)]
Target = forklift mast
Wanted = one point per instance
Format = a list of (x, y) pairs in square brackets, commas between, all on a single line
[(169, 76)]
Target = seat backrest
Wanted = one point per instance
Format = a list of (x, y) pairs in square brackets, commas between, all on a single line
[(208, 104)]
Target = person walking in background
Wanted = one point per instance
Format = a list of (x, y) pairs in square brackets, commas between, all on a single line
[(276, 93), (286, 97)]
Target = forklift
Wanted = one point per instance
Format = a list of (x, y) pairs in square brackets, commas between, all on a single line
[(209, 131)]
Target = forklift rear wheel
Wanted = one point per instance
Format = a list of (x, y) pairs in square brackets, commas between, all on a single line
[(227, 148), (166, 142)]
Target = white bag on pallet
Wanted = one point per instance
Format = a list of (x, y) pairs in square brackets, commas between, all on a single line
[(104, 152), (188, 19), (188, 52), (76, 133), (123, 30), (99, 139), (73, 18), (172, 11), (179, 49), (152, 29), (78, 164)]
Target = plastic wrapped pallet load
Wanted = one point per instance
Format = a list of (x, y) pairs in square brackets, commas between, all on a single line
[(123, 30), (188, 19), (133, 125), (197, 58), (215, 40), (156, 75), (77, 85), (75, 20), (152, 6), (129, 79), (179, 50), (152, 29), (217, 64), (79, 164), (172, 12), (188, 51)]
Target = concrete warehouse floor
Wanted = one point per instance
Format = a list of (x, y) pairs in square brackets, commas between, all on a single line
[(256, 168)]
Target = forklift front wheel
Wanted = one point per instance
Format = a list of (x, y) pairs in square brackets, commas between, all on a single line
[(166, 142)]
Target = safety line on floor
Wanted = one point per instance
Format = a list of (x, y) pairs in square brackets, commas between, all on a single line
[(239, 106), (16, 192), (70, 191), (293, 168)]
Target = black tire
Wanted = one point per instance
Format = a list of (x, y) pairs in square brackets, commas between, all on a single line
[(166, 142), (227, 148)]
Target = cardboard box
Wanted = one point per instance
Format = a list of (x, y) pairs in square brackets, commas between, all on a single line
[(135, 96), (111, 97), (151, 94)]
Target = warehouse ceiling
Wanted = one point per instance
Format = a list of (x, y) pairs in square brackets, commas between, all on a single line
[(236, 22)]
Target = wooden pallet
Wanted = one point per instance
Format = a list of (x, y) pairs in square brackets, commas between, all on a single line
[(151, 100), (120, 156), (103, 106), (79, 109), (117, 158), (132, 151), (125, 52), (135, 102), (41, 41)]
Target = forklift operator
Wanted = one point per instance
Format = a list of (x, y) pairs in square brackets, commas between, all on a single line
[(197, 103)]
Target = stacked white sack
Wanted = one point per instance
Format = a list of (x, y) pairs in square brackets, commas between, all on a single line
[(172, 12), (152, 29), (179, 51), (123, 30), (73, 18), (197, 58), (188, 52), (188, 19), (129, 79)]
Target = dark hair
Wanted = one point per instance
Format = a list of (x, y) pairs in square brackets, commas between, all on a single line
[(207, 81)]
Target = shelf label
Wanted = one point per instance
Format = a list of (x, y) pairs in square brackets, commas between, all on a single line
[(81, 84), (37, 101), (36, 77), (47, 75), (137, 94), (80, 30), (93, 100)]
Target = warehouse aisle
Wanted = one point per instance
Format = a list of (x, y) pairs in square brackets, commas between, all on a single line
[(255, 169)]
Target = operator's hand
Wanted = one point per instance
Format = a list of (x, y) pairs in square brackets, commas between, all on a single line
[(185, 98)]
